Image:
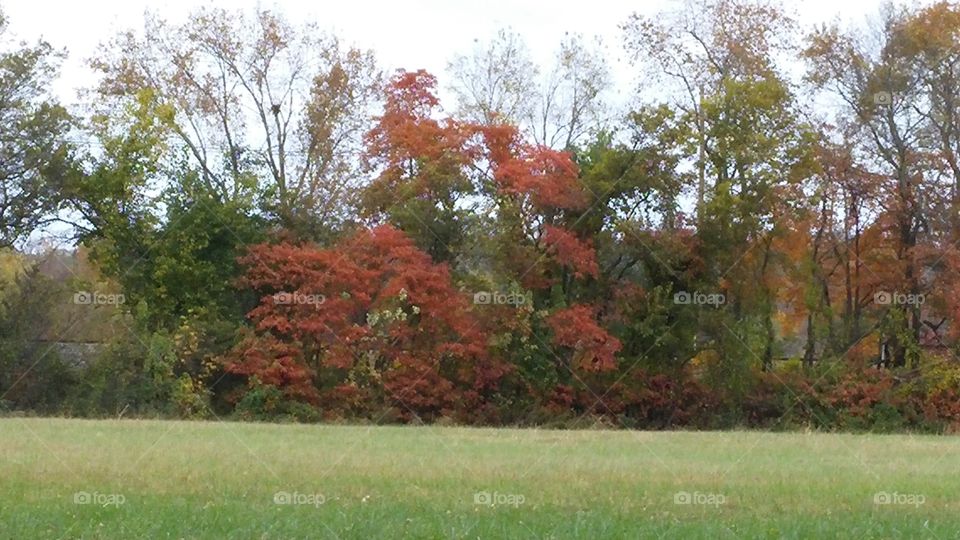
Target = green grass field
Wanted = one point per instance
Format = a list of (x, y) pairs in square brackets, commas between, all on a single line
[(155, 479)]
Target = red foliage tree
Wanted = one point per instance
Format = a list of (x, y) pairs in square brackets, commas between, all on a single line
[(542, 193), (371, 319), (408, 138), (422, 164), (547, 177), (570, 251), (593, 348)]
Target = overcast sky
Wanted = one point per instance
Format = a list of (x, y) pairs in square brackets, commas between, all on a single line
[(410, 34)]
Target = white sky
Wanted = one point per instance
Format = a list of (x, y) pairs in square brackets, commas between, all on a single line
[(410, 34)]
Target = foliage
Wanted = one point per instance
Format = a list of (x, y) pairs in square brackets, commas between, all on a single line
[(34, 153), (297, 238), (32, 374), (371, 316)]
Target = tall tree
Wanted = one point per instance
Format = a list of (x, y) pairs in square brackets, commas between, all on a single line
[(496, 83), (698, 49), (558, 107), (34, 154), (423, 167), (263, 109), (895, 86), (739, 127)]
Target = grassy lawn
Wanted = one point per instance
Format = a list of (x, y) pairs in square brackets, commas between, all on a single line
[(137, 479)]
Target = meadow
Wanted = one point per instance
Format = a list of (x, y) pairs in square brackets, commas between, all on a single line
[(65, 478)]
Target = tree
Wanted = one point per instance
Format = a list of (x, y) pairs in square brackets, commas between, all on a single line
[(262, 109), (423, 166), (892, 87), (34, 153), (154, 227), (537, 199), (740, 127), (702, 46), (844, 259), (369, 323), (572, 102), (536, 192), (499, 84), (495, 84)]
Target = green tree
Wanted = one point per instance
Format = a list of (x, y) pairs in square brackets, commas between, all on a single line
[(34, 154), (739, 126)]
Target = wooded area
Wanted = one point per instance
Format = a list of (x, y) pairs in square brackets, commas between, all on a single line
[(268, 225)]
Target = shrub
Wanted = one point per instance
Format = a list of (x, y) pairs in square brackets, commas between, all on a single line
[(373, 316)]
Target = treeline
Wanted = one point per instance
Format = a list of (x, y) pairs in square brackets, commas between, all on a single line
[(269, 226)]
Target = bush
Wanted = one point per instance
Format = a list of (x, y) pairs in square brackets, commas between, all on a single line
[(654, 401), (32, 375), (262, 402), (786, 400)]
